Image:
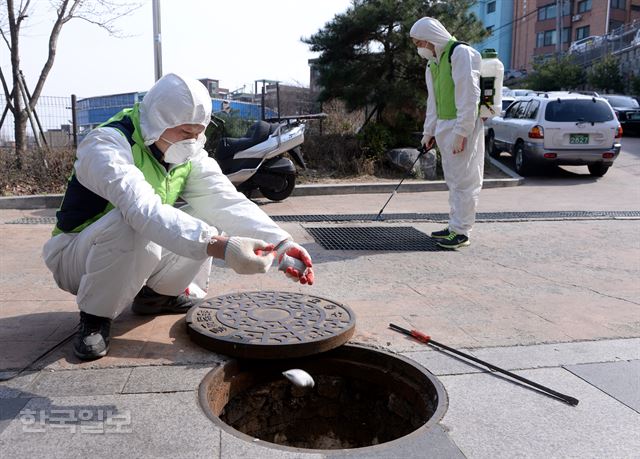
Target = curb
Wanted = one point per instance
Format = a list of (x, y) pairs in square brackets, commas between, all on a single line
[(53, 201)]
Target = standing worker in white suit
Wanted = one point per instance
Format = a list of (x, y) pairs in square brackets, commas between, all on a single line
[(119, 240), (453, 85)]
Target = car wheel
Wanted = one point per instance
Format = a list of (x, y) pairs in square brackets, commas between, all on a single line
[(598, 170), (491, 145), (523, 166)]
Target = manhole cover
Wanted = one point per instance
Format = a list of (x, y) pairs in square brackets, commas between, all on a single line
[(387, 238), (270, 325), (381, 403)]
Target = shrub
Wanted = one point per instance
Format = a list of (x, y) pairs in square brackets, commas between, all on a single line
[(336, 155), (34, 178), (375, 139)]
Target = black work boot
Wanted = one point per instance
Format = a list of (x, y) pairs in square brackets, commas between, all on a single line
[(93, 337), (147, 302)]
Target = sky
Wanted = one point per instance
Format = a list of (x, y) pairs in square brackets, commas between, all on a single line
[(236, 42)]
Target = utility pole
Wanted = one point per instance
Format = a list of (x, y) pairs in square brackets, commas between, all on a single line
[(558, 27), (157, 40)]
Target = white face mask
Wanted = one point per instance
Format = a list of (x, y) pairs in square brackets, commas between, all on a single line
[(425, 53), (182, 151)]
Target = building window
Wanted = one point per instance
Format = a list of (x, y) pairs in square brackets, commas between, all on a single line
[(546, 38), (550, 37), (618, 4), (582, 32), (491, 7), (566, 34), (584, 6), (547, 12)]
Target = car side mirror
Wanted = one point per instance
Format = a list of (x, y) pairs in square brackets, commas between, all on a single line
[(502, 113)]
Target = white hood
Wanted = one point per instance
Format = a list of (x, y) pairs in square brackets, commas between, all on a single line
[(172, 101), (431, 30)]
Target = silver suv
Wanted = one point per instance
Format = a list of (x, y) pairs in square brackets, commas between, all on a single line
[(557, 128)]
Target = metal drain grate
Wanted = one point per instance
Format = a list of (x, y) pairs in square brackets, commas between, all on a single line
[(393, 238), (432, 217), (482, 216)]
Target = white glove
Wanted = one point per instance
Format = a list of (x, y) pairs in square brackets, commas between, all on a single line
[(240, 255), (426, 138), (295, 261), (459, 144)]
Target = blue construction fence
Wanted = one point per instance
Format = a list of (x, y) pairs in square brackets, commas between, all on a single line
[(92, 111)]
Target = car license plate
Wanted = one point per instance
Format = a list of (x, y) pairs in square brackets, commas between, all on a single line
[(578, 138)]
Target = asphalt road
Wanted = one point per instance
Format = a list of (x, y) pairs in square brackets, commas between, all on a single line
[(628, 160)]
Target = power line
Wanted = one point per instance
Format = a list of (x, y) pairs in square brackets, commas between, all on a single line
[(515, 20)]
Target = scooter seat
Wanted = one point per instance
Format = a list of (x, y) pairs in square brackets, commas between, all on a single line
[(257, 133)]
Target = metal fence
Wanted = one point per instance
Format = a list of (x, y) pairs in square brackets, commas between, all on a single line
[(622, 43), (52, 117)]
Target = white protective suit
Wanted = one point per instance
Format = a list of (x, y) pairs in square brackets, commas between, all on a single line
[(463, 171), (143, 240)]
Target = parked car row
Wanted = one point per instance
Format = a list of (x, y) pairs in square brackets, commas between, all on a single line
[(557, 128), (627, 110), (621, 38)]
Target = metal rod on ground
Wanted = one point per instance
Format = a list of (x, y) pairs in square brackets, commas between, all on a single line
[(48, 351), (426, 339), (422, 150)]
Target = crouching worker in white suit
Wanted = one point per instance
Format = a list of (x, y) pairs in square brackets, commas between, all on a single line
[(119, 240), (453, 84)]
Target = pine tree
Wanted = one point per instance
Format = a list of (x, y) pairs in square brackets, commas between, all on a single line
[(368, 59)]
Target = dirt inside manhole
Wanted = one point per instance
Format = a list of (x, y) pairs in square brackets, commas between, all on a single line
[(361, 398)]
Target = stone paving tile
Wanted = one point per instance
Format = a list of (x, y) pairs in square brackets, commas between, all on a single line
[(80, 382), (22, 353), (16, 387), (553, 355), (489, 417), (151, 426), (166, 378), (621, 380), (9, 409), (232, 447), (441, 363), (528, 357), (433, 443)]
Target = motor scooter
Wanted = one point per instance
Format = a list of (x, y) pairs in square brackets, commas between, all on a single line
[(257, 161)]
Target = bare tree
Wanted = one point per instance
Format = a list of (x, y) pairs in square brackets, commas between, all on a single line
[(102, 13)]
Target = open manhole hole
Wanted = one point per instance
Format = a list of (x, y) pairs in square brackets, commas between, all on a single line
[(361, 398)]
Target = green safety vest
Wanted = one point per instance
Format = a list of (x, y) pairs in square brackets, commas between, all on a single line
[(81, 207), (443, 85)]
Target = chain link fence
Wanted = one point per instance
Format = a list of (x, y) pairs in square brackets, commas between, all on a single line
[(52, 120)]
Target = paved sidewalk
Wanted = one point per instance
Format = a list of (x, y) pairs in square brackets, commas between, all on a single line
[(557, 302)]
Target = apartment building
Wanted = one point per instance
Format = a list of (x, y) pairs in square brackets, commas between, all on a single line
[(497, 17), (536, 24)]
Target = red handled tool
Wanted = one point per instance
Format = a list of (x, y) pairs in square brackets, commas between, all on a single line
[(426, 339)]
